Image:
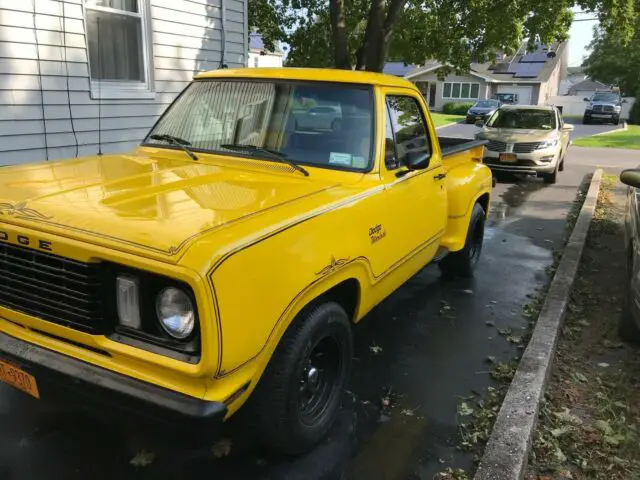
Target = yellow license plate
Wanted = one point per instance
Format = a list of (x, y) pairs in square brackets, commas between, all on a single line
[(19, 379), (508, 157)]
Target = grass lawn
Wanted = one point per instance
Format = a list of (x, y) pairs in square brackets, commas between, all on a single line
[(629, 139), (443, 119)]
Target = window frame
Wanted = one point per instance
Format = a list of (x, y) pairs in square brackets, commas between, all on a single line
[(460, 97), (220, 153), (387, 108), (124, 90)]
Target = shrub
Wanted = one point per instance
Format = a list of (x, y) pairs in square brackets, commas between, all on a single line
[(634, 114), (452, 108)]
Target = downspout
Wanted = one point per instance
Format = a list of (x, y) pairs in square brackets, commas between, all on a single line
[(223, 33)]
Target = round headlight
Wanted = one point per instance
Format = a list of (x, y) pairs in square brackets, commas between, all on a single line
[(175, 313)]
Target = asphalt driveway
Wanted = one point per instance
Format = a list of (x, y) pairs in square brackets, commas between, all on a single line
[(433, 338)]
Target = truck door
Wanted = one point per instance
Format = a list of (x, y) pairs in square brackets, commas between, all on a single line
[(416, 199)]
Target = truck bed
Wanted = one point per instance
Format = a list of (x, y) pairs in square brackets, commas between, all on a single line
[(452, 145)]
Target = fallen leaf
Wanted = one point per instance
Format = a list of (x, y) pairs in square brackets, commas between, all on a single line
[(491, 359), (565, 474), (490, 323), (621, 405), (610, 344), (143, 459), (514, 339), (504, 331), (604, 427), (614, 439), (560, 456), (375, 349), (603, 364), (408, 412), (558, 432), (468, 291), (566, 416), (464, 410), (222, 448), (583, 323), (581, 377)]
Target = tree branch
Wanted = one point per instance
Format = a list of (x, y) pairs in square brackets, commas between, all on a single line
[(371, 34), (375, 62), (339, 34)]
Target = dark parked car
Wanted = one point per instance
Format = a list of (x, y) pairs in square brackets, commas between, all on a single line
[(482, 110), (629, 327)]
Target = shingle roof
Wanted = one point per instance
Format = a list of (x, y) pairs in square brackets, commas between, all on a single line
[(530, 67), (588, 85), (399, 69)]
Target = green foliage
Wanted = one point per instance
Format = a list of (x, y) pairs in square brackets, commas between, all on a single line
[(454, 32), (615, 61), (452, 108)]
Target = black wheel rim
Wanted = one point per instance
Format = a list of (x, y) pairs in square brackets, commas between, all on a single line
[(319, 379), (476, 243)]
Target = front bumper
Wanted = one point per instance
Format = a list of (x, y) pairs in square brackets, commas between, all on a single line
[(473, 118), (539, 161), (601, 115), (60, 378)]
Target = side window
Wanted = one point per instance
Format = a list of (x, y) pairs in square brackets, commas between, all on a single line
[(390, 158), (409, 128), (560, 120)]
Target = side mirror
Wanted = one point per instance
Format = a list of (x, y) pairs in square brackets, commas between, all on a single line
[(417, 160), (479, 123), (631, 177), (567, 127), (586, 99)]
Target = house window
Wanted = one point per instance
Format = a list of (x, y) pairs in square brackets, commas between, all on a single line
[(461, 90), (119, 48)]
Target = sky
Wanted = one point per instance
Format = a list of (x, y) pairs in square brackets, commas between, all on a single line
[(580, 36)]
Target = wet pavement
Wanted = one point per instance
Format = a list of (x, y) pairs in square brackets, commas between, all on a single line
[(434, 341)]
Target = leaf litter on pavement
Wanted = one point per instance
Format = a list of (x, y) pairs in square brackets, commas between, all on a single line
[(589, 426)]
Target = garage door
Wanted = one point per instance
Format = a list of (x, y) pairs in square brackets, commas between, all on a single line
[(524, 93)]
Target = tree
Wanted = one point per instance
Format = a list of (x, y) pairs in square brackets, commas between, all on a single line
[(362, 34), (615, 61)]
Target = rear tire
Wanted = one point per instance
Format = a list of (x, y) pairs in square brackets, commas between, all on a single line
[(300, 393), (628, 328), (463, 263), (551, 178)]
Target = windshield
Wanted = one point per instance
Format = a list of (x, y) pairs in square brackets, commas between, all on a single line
[(527, 119), (605, 97), (486, 104), (311, 123)]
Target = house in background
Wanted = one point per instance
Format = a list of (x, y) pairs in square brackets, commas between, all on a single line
[(533, 76), (259, 56), (78, 77), (587, 87), (574, 76)]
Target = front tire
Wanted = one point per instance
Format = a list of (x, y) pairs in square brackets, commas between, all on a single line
[(586, 120), (551, 178), (616, 121), (463, 263), (300, 393)]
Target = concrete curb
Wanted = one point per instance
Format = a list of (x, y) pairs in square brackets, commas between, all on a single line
[(448, 125), (507, 452), (624, 128)]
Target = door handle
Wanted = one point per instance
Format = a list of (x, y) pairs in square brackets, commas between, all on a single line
[(439, 176)]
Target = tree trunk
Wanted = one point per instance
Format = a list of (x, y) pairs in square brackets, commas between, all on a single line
[(372, 34), (378, 54), (339, 35)]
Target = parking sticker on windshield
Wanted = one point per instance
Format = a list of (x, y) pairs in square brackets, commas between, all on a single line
[(337, 158), (358, 162)]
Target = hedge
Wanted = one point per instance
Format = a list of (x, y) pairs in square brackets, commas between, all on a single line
[(456, 108), (634, 114)]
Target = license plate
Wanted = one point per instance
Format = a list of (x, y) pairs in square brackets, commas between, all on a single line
[(600, 115), (508, 157), (19, 379)]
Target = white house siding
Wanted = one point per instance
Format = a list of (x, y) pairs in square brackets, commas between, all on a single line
[(257, 60), (551, 87), (432, 77), (186, 38)]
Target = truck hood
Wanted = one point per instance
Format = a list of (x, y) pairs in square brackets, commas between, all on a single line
[(151, 206), (517, 135)]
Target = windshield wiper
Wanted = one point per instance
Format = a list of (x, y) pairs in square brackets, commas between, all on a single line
[(281, 157), (183, 144)]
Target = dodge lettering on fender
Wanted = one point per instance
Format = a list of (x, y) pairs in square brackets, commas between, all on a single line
[(221, 264)]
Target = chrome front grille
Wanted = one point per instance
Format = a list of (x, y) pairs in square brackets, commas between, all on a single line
[(49, 287), (496, 146), (526, 147)]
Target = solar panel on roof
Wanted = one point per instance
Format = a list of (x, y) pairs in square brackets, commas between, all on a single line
[(534, 57), (529, 70)]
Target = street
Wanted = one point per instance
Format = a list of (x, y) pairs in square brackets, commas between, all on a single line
[(433, 340)]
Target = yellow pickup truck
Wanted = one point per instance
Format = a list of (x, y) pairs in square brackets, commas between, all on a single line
[(225, 260)]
